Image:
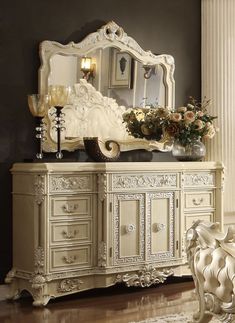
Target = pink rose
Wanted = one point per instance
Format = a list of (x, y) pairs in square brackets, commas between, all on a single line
[(199, 124), (200, 114), (176, 117), (189, 116)]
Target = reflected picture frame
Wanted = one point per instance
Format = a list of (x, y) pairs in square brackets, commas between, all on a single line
[(120, 69)]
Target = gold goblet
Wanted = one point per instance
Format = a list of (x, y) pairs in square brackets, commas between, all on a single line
[(38, 106)]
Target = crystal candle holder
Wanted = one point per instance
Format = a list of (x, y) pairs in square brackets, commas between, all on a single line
[(59, 97), (38, 106)]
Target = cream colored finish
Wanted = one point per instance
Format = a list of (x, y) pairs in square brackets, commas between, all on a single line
[(198, 200), (69, 207), (211, 256), (78, 226), (190, 219), (92, 114), (80, 231)]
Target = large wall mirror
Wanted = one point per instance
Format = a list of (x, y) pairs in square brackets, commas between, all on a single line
[(123, 76)]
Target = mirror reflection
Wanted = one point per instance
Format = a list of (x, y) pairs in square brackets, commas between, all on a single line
[(116, 74), (109, 72)]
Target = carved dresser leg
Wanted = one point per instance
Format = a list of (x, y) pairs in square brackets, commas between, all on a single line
[(13, 290), (39, 292)]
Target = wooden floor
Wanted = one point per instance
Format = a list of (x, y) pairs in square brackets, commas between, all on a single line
[(117, 304)]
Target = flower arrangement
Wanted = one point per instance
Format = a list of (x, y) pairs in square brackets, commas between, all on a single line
[(146, 123), (191, 122), (185, 124)]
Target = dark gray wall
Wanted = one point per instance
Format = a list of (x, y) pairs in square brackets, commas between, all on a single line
[(164, 26)]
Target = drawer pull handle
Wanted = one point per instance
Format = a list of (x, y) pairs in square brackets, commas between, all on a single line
[(70, 208), (130, 228), (69, 260), (198, 202), (69, 235), (158, 227)]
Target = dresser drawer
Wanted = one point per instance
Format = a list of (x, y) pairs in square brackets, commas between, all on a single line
[(62, 258), (194, 200), (71, 232), (199, 179), (190, 219), (144, 181), (70, 183), (71, 206)]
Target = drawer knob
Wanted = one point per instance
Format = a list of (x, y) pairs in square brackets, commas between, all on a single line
[(197, 201), (70, 208), (158, 227), (130, 228), (69, 235), (70, 259)]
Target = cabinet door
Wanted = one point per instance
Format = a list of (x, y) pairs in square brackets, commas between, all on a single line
[(162, 226), (129, 228)]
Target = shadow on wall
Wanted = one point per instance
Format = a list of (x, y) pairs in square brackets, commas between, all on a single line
[(85, 30)]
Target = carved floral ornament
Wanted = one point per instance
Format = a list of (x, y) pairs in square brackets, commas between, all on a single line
[(146, 277), (146, 181), (69, 183)]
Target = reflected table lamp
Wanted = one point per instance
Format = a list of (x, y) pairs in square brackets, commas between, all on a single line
[(87, 67)]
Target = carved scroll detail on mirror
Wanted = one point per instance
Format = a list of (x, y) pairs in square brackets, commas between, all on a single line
[(109, 36), (93, 114)]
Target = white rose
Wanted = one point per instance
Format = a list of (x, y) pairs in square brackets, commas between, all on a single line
[(210, 132), (181, 109), (190, 106), (139, 114)]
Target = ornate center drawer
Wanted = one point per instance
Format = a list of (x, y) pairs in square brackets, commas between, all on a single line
[(71, 232), (71, 206), (199, 179), (70, 183), (199, 200), (62, 258), (144, 181)]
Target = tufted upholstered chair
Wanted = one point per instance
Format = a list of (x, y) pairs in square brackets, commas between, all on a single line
[(211, 257)]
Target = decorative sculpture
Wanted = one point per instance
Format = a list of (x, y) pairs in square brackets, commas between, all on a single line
[(101, 151)]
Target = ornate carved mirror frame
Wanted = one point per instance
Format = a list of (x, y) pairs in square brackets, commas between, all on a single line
[(91, 113)]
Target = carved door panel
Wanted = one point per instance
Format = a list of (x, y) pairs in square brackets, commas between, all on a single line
[(162, 226), (129, 228)]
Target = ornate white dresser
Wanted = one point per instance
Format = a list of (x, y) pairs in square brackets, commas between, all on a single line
[(78, 226)]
